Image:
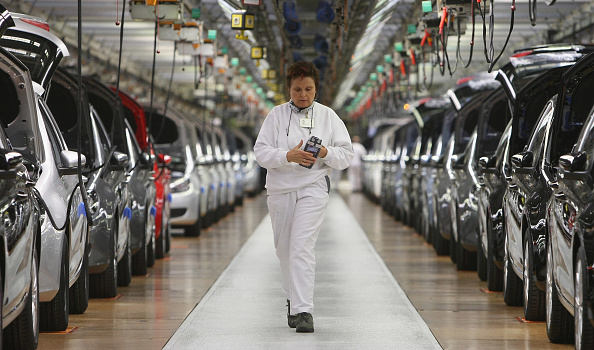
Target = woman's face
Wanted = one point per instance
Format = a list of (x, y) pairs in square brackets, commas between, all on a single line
[(302, 91)]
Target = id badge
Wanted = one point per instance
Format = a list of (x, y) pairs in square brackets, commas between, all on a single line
[(306, 122)]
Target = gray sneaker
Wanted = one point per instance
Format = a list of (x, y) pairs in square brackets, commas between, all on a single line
[(305, 323), (291, 319)]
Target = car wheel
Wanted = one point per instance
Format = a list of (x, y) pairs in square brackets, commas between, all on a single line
[(534, 308), (79, 292), (23, 332), (150, 251), (583, 330), (160, 248), (481, 262), (512, 285), (453, 247), (53, 315), (465, 259), (558, 319), (139, 261), (168, 237), (494, 273), (125, 267), (104, 284), (440, 244)]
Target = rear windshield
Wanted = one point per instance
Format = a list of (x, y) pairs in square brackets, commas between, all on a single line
[(37, 54)]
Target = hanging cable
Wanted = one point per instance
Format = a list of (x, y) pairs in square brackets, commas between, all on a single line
[(490, 48), (472, 35), (532, 11), (81, 183), (150, 120), (162, 126)]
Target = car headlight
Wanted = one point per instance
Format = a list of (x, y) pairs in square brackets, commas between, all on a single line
[(180, 185)]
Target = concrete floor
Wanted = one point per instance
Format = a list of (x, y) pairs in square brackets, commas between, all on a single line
[(359, 304)]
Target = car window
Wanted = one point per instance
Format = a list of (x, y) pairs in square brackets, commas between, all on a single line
[(8, 100), (540, 131), (465, 131), (103, 137), (133, 148), (576, 104), (57, 142), (162, 128), (101, 148)]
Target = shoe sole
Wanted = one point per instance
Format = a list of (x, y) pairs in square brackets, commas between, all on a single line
[(304, 330)]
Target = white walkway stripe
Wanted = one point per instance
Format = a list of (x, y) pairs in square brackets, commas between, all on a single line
[(359, 304)]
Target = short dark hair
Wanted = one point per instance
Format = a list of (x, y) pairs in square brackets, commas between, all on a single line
[(303, 69)]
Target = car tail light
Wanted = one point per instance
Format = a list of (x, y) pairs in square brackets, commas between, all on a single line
[(522, 54), (39, 24), (463, 80)]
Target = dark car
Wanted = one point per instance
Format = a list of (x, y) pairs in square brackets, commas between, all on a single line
[(428, 112), (440, 194), (489, 116), (465, 91), (137, 120), (463, 237), (111, 256), (490, 213), (518, 78), (571, 244), (524, 207), (407, 136), (569, 221)]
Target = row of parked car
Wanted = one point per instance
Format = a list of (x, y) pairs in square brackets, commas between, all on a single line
[(92, 181), (498, 173)]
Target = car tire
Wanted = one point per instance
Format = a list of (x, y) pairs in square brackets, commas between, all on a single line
[(193, 230), (512, 285), (23, 332), (160, 245), (150, 251), (481, 262), (494, 273), (440, 244), (583, 330), (125, 267), (168, 237), (79, 292), (559, 321), (465, 259), (104, 284), (139, 260), (453, 249), (53, 315), (534, 298)]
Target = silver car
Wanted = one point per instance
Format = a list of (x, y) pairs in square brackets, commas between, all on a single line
[(19, 234), (63, 276)]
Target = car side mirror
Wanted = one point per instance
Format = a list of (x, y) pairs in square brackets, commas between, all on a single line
[(487, 162), (164, 159), (573, 162), (523, 159), (9, 161), (69, 162), (119, 160)]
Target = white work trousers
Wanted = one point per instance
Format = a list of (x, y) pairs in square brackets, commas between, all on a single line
[(354, 175), (296, 220)]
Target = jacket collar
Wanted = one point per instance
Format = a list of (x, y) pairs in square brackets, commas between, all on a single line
[(296, 109)]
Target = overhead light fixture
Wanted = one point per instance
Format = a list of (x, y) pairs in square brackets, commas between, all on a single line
[(143, 10)]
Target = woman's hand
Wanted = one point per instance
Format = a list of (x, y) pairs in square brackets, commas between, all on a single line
[(297, 155)]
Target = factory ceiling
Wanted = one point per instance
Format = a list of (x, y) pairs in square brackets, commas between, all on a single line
[(347, 39)]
